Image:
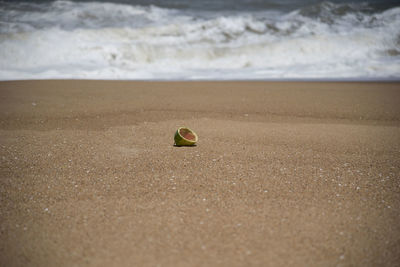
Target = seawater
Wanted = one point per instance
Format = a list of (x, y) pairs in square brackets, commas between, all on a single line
[(196, 40)]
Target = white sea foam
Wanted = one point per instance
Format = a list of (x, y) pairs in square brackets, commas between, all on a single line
[(115, 41)]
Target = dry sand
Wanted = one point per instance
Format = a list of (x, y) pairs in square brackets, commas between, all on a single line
[(284, 174)]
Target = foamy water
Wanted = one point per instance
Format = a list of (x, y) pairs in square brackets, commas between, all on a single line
[(99, 40)]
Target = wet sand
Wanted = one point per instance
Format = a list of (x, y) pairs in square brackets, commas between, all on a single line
[(284, 174)]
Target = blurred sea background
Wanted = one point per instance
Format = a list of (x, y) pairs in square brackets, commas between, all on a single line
[(200, 40)]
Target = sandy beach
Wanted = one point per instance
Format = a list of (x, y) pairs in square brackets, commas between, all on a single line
[(284, 174)]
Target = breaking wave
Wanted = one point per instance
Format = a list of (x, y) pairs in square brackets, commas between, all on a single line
[(93, 40)]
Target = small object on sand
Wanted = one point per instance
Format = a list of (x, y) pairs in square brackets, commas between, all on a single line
[(185, 137)]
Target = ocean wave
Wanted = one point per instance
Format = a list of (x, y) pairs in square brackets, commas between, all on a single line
[(67, 15), (87, 40)]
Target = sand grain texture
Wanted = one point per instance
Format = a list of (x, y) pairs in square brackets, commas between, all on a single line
[(284, 174)]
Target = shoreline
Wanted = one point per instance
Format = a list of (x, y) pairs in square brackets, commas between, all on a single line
[(284, 80)]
